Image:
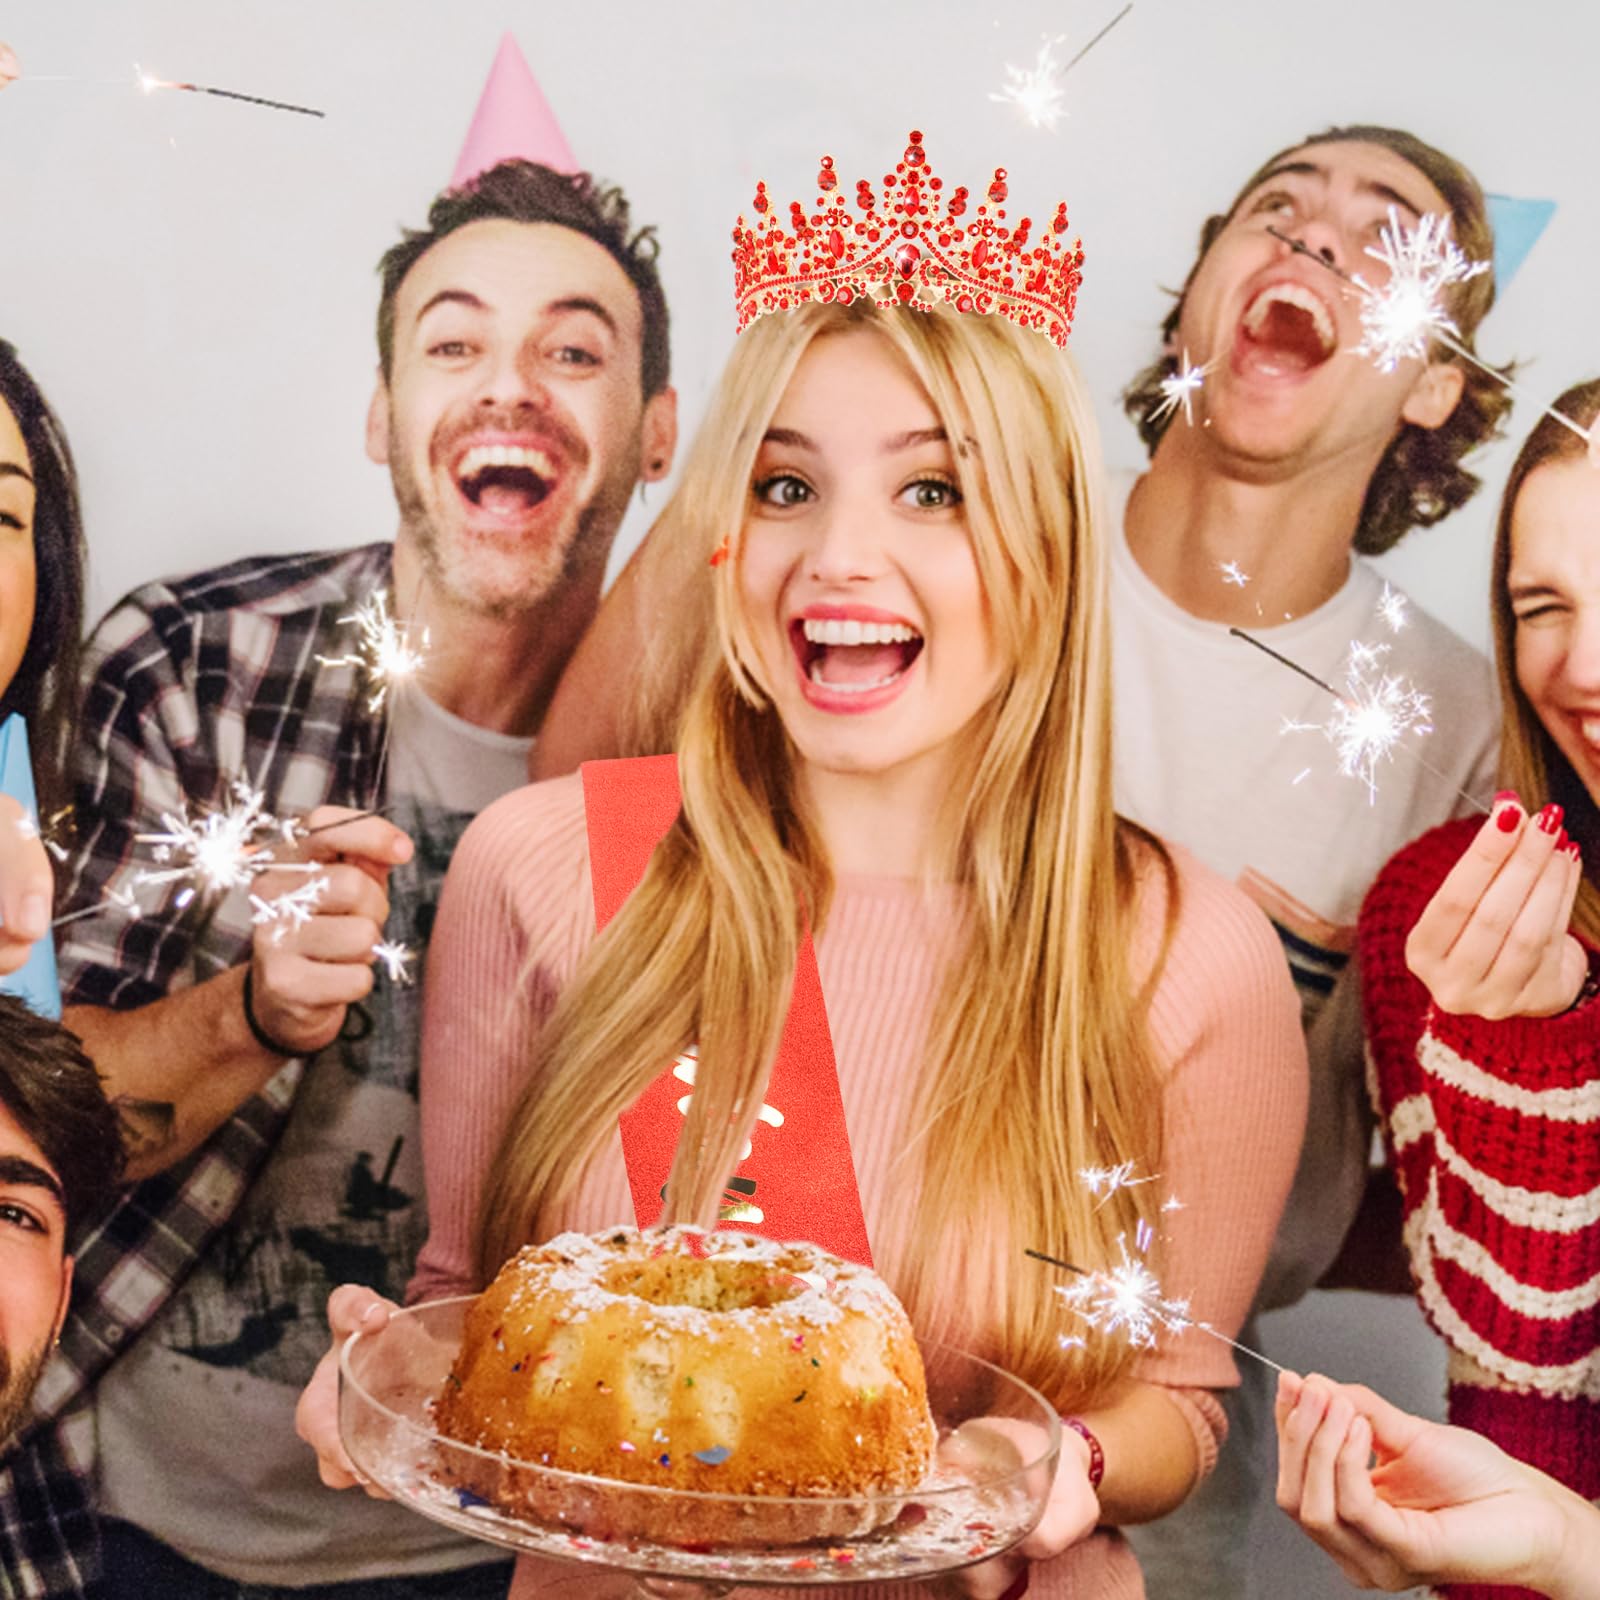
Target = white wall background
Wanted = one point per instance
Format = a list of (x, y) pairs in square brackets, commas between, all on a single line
[(192, 280)]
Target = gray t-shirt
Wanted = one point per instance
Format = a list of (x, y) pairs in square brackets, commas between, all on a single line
[(197, 1440)]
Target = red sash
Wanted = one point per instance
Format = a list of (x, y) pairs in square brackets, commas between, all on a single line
[(798, 1176)]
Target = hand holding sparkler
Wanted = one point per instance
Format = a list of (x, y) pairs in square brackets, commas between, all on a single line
[(1439, 1504), (1494, 940), (25, 884), (310, 964)]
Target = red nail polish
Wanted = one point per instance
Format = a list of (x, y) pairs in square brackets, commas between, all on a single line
[(1572, 848), (1549, 819), (1504, 795), (1507, 818)]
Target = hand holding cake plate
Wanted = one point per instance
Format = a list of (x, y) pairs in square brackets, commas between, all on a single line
[(984, 1494)]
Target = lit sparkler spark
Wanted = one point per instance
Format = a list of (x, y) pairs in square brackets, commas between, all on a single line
[(49, 832), (1233, 573), (1127, 1299), (292, 910), (396, 959), (1401, 318), (219, 850), (383, 649), (124, 901), (1392, 608), (1373, 715), (1589, 435), (1110, 1179), (150, 83), (1036, 91), (1179, 389)]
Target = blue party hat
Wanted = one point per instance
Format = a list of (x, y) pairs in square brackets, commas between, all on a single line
[(1517, 225)]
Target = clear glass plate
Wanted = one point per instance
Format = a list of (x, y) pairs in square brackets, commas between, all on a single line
[(997, 1456)]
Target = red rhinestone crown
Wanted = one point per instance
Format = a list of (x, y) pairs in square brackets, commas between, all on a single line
[(917, 249)]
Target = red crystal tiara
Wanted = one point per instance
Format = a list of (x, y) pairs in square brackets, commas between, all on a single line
[(917, 249)]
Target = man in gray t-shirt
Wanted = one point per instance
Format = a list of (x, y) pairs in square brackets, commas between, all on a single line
[(1299, 459)]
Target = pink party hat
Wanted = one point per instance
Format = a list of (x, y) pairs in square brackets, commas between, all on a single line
[(513, 121)]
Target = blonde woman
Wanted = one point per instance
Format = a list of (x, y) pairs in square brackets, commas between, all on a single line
[(1019, 987)]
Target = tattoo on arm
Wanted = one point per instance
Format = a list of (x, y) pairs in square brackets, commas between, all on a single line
[(149, 1127)]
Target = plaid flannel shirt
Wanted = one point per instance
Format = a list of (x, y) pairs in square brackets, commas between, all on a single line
[(189, 685)]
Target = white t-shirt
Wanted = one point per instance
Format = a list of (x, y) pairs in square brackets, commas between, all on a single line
[(1202, 758), (197, 1420)]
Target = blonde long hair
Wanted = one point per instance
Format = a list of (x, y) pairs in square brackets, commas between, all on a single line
[(1037, 1061), (1530, 761)]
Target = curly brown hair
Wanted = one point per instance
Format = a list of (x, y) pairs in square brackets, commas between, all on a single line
[(1421, 478)]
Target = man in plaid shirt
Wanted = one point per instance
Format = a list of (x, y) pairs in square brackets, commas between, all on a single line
[(269, 1102)]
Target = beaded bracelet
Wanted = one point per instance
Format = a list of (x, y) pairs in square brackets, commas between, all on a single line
[(1097, 1456)]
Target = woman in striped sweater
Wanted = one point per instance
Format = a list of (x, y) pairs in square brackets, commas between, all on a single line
[(1480, 946)]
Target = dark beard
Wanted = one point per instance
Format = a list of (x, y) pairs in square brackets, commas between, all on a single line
[(587, 549), (16, 1389)]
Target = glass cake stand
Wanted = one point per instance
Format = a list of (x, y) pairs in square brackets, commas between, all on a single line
[(998, 1445)]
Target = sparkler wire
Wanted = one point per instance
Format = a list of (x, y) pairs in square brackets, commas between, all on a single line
[(1282, 660), (1097, 38), (307, 833), (249, 99), (343, 822)]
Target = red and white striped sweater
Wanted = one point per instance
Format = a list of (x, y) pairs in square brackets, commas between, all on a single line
[(1493, 1130)]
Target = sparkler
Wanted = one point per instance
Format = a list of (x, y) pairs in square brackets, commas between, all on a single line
[(1128, 1299), (150, 83), (219, 850), (1036, 91), (1440, 331), (1233, 573), (292, 910), (1110, 1179), (383, 649), (1392, 608), (118, 899), (1374, 714), (396, 959), (1180, 388), (1404, 316), (48, 832)]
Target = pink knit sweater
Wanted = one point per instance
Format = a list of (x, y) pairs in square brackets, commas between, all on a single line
[(517, 916)]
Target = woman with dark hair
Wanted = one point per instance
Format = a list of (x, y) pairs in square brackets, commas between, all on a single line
[(41, 624), (1480, 955)]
